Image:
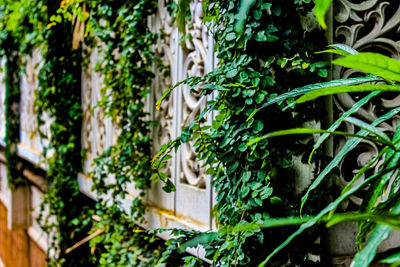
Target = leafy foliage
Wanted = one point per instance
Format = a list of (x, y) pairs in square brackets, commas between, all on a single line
[(249, 180), (321, 7), (371, 233), (254, 101)]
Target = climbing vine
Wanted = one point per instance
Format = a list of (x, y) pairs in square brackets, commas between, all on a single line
[(125, 62), (9, 43), (252, 183)]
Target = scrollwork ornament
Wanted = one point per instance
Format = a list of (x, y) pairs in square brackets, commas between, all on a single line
[(194, 61), (369, 25)]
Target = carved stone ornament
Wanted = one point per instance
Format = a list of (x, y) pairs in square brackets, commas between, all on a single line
[(30, 136), (94, 130), (367, 26), (195, 58), (165, 49)]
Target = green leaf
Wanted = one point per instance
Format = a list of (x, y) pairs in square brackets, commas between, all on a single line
[(231, 36), (381, 233), (203, 238), (387, 219), (182, 12), (340, 49), (316, 131), (337, 123), (245, 6), (394, 258), (377, 64), (166, 93), (333, 205), (321, 7), (350, 145), (369, 128), (233, 167), (232, 73), (332, 51), (246, 176), (242, 147), (260, 36), (305, 89), (391, 159), (169, 186), (344, 48), (348, 89)]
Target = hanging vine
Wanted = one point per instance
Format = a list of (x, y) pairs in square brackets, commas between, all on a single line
[(125, 62), (252, 183), (248, 180), (10, 52)]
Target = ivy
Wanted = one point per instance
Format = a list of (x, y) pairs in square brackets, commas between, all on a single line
[(262, 51), (126, 61), (252, 183), (12, 109)]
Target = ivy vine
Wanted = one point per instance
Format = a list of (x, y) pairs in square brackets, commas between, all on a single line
[(253, 183)]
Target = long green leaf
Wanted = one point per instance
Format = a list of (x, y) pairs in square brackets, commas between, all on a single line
[(337, 123), (386, 219), (182, 12), (344, 48), (348, 89), (167, 92), (369, 128), (321, 7), (308, 88), (203, 238), (391, 159), (377, 64), (339, 49), (245, 6), (381, 233), (361, 172), (394, 258), (327, 209), (317, 131), (350, 145), (377, 188), (332, 51)]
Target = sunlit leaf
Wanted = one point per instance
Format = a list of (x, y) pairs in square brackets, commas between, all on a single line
[(394, 258), (373, 63), (308, 88), (296, 131), (182, 12), (321, 7), (348, 89)]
